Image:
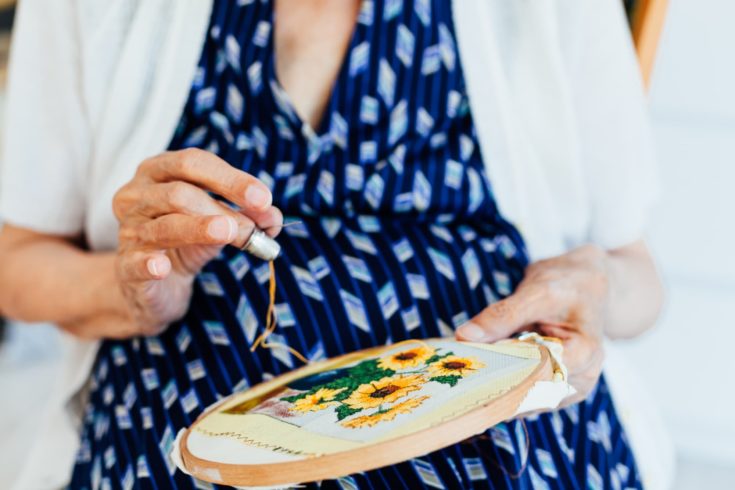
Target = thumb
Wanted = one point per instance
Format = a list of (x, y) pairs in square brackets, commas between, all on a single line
[(504, 318)]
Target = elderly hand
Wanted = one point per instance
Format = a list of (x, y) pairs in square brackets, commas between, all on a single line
[(170, 227), (564, 297)]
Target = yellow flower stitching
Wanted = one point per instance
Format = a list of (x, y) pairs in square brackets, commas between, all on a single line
[(316, 401), (455, 366), (385, 390), (410, 358), (406, 406)]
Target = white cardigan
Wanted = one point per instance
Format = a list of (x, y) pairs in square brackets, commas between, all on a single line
[(95, 87)]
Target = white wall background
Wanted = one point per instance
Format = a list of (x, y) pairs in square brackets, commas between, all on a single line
[(688, 360)]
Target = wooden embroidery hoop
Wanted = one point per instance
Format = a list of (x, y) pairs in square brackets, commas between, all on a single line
[(368, 456)]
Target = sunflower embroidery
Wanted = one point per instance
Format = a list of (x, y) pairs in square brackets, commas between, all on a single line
[(404, 359), (406, 406), (319, 400), (380, 387), (385, 390), (454, 366)]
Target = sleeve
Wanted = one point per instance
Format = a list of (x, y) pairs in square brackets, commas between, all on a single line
[(615, 134), (46, 141)]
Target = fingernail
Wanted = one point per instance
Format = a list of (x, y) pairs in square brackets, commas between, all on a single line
[(222, 228), (152, 267), (257, 196), (471, 331)]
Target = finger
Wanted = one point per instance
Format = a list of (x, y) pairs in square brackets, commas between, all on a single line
[(508, 316), (584, 360), (561, 331), (206, 170), (140, 266), (271, 222), (178, 230), (581, 351), (184, 198), (176, 197)]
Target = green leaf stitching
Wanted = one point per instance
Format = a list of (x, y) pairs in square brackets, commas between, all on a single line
[(344, 411), (447, 380), (437, 357)]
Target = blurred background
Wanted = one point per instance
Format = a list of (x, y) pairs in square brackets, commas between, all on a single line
[(28, 357), (685, 362)]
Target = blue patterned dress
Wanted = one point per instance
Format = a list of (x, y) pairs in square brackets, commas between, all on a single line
[(400, 238)]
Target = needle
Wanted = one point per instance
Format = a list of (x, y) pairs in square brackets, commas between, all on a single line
[(284, 225)]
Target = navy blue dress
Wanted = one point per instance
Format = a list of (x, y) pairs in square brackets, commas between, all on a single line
[(400, 238)]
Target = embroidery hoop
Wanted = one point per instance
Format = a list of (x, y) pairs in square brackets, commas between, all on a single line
[(502, 401)]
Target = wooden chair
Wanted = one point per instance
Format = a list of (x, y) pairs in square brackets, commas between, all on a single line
[(646, 23)]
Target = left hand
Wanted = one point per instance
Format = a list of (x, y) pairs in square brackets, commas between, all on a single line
[(564, 297)]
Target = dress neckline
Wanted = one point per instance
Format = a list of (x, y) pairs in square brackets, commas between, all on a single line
[(284, 101)]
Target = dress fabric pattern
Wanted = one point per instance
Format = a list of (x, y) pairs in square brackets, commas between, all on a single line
[(399, 238)]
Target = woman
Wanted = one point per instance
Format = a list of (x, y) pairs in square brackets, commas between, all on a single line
[(377, 125)]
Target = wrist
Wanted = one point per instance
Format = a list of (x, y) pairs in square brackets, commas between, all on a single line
[(106, 297), (600, 284), (635, 295)]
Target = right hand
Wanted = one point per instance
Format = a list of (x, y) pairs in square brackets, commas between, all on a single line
[(170, 227)]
